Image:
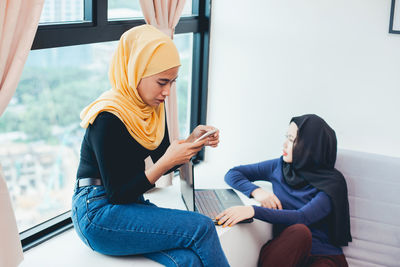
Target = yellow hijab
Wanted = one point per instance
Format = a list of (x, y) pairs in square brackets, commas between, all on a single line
[(142, 51)]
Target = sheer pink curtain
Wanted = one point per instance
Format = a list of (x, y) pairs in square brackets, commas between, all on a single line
[(19, 20), (10, 245), (165, 14)]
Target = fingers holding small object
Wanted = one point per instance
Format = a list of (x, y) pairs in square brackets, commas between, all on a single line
[(213, 143)]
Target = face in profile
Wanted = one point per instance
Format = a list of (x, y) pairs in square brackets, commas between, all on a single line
[(289, 142), (154, 89)]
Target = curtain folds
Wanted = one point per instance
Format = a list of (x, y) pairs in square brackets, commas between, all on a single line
[(10, 244), (164, 15), (19, 20)]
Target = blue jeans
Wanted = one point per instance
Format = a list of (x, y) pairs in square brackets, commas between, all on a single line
[(168, 236)]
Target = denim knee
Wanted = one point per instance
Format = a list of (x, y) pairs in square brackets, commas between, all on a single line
[(205, 225), (176, 258)]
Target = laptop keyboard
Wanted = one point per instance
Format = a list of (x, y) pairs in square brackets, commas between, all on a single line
[(208, 203)]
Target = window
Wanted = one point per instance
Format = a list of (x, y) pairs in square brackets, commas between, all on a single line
[(41, 153), (41, 132), (55, 11), (120, 9), (40, 136), (184, 44), (123, 9)]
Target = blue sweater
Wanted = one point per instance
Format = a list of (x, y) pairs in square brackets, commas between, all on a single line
[(307, 205)]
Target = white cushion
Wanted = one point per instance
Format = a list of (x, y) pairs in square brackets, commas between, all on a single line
[(373, 183)]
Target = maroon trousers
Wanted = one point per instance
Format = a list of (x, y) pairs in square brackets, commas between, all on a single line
[(292, 248)]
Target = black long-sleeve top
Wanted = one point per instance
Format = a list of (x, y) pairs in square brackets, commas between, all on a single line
[(110, 153)]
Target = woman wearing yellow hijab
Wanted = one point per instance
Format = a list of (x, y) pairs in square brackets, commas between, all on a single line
[(124, 126)]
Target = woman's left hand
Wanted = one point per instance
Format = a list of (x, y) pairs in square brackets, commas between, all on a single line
[(213, 139), (233, 215)]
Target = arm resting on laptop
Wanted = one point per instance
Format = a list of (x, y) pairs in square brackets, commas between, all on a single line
[(315, 210)]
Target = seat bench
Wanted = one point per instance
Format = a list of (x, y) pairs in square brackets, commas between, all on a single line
[(374, 196), (240, 243), (373, 183)]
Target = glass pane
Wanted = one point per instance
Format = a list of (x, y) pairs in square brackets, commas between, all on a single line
[(122, 9), (187, 10), (184, 43), (40, 136), (126, 9), (61, 11)]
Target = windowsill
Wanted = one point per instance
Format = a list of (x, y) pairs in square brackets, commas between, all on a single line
[(241, 243)]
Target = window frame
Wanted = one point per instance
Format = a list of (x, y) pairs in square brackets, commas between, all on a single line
[(96, 28)]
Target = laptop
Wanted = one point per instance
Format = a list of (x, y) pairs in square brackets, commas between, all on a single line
[(209, 202)]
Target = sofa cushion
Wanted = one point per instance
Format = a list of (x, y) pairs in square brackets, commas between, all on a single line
[(373, 183)]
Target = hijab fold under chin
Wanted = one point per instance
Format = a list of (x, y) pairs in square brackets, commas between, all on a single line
[(314, 157)]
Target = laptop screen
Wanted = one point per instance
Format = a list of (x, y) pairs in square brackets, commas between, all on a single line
[(187, 185)]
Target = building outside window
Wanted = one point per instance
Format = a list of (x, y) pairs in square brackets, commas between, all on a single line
[(40, 135)]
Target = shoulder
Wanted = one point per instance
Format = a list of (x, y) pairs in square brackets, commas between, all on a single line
[(106, 117), (272, 163), (108, 125), (322, 196), (107, 120)]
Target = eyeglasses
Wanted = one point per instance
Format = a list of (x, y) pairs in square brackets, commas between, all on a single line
[(289, 138)]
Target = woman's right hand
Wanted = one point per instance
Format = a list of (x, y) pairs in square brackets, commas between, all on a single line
[(180, 152), (267, 199)]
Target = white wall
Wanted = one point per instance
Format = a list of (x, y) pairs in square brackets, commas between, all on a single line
[(271, 60)]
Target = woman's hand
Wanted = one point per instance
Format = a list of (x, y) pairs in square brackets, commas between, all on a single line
[(267, 200), (212, 140), (233, 215), (180, 152)]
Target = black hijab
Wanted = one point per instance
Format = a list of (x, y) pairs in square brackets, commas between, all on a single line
[(314, 157)]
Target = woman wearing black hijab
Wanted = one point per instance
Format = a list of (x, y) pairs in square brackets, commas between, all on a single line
[(309, 207)]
